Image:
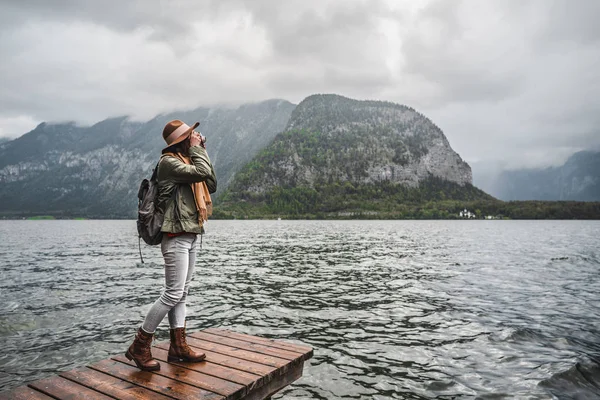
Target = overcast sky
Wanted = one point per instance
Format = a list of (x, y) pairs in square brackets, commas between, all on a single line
[(514, 81)]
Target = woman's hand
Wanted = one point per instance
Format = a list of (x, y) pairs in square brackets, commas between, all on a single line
[(196, 139)]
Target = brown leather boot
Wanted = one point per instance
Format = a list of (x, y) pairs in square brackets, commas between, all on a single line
[(180, 351), (140, 353)]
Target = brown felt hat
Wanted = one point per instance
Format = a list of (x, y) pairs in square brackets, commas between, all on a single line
[(177, 131)]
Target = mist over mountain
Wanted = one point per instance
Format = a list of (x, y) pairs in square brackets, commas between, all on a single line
[(65, 169), (577, 179)]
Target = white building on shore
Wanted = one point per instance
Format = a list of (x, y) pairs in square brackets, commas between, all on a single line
[(466, 214)]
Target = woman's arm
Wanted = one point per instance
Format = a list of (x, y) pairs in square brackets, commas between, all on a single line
[(180, 172)]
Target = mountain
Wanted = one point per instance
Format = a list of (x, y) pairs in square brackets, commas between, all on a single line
[(66, 169), (338, 154), (578, 179), (328, 157)]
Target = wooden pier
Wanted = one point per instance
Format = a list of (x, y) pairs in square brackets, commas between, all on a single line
[(237, 366)]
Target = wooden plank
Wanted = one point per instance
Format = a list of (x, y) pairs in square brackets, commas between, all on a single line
[(230, 361), (279, 344), (155, 382), (24, 393), (282, 365), (274, 386), (64, 389), (239, 353), (209, 368), (229, 390), (306, 350), (111, 386), (244, 345)]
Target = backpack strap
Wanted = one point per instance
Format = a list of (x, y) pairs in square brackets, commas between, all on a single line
[(155, 172)]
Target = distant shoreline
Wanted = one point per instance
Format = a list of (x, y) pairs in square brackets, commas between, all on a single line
[(373, 210), (364, 218)]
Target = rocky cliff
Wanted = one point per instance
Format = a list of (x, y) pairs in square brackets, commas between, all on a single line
[(331, 138), (65, 169), (390, 142)]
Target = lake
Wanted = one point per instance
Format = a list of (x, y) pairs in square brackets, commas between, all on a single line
[(393, 309)]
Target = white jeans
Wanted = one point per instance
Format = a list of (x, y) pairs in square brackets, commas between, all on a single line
[(179, 253)]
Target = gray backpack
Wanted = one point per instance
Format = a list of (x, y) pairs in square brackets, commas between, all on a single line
[(150, 217)]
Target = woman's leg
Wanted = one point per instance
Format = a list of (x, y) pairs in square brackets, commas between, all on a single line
[(176, 252), (179, 350), (178, 312)]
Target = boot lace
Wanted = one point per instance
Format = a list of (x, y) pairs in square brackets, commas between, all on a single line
[(184, 346)]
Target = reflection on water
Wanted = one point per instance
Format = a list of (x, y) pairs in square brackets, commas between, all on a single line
[(394, 309)]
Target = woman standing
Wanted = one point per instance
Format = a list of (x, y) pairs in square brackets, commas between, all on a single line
[(185, 180)]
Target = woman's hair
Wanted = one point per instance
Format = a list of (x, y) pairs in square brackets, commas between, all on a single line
[(181, 147)]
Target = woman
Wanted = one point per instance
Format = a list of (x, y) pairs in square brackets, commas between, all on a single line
[(185, 180)]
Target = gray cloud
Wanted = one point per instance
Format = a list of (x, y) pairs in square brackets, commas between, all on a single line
[(507, 80)]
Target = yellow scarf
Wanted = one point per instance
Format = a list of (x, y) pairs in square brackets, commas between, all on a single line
[(200, 190)]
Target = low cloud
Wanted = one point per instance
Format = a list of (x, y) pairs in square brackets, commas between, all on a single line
[(510, 81)]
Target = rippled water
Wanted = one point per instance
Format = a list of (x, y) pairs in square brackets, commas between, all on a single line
[(394, 309)]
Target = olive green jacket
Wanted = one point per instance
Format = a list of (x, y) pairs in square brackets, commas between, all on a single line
[(175, 196)]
